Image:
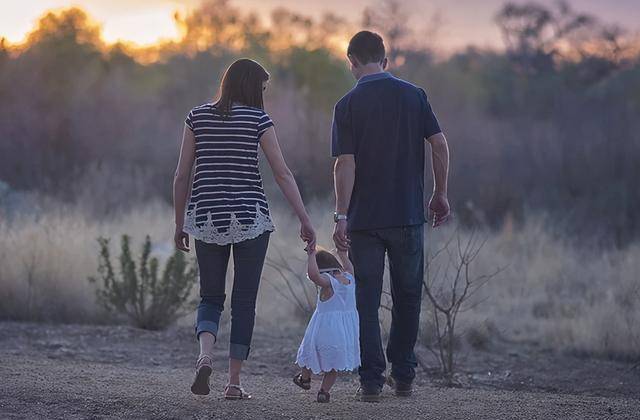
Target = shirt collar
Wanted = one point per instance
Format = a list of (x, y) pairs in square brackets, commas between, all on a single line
[(375, 76)]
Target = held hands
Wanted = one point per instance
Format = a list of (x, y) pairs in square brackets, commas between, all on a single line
[(308, 234), (340, 237), (311, 251), (439, 210)]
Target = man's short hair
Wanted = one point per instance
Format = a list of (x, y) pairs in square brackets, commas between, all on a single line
[(367, 47)]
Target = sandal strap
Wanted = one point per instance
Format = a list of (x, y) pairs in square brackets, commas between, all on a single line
[(203, 360), (243, 394), (236, 387)]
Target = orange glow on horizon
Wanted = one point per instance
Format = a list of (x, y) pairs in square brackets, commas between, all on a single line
[(150, 28), (231, 35), (165, 30)]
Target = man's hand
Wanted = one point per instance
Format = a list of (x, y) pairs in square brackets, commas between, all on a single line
[(344, 175), (439, 209), (340, 237)]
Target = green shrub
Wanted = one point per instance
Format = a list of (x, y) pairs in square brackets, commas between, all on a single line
[(148, 301)]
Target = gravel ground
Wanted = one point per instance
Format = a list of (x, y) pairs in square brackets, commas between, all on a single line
[(80, 372)]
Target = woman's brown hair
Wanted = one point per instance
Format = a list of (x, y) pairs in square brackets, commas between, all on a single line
[(327, 260), (242, 84)]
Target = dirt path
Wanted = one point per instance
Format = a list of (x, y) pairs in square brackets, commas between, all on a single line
[(115, 372)]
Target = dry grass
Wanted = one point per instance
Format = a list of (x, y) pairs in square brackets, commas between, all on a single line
[(45, 259), (581, 300)]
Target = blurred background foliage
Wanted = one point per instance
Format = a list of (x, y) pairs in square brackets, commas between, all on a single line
[(544, 133), (548, 125)]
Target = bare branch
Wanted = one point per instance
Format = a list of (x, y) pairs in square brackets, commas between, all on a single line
[(448, 294)]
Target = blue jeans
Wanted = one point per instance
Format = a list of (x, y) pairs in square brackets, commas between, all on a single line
[(248, 260), (404, 247)]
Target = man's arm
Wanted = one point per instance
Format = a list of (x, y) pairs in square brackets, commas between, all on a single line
[(344, 174), (439, 204)]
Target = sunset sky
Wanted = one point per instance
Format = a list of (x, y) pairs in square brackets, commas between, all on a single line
[(147, 21)]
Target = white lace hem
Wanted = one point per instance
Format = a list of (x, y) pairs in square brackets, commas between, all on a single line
[(235, 232), (313, 366)]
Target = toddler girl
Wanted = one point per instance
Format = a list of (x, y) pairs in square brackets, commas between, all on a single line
[(331, 342)]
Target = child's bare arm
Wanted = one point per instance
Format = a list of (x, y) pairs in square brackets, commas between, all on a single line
[(314, 272), (346, 262)]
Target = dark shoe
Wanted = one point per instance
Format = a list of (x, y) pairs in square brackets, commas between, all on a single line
[(401, 388), (323, 397), (200, 384), (369, 393), (301, 382)]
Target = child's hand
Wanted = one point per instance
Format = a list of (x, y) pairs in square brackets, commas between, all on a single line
[(311, 250)]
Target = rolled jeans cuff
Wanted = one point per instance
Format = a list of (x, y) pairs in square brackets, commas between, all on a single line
[(239, 351), (208, 326)]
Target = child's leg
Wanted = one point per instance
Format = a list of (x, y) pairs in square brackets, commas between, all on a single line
[(328, 379), (305, 373)]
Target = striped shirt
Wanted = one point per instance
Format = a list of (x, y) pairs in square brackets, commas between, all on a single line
[(227, 203)]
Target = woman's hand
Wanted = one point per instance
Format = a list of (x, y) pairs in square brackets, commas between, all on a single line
[(181, 186), (308, 234), (181, 240)]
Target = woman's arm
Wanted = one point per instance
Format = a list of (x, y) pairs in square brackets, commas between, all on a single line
[(314, 273), (181, 181), (287, 183), (346, 262)]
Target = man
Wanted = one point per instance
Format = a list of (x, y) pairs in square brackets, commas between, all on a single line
[(379, 133)]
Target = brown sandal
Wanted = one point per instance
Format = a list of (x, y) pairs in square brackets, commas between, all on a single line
[(243, 395), (302, 383), (323, 396), (200, 384)]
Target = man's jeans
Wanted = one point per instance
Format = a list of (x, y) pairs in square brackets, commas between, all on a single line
[(404, 246), (248, 260)]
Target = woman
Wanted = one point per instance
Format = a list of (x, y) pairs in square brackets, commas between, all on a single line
[(226, 209)]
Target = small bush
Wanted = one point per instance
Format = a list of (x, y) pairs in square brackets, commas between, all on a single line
[(448, 286), (148, 301)]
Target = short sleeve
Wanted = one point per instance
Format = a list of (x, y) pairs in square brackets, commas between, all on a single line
[(341, 134), (327, 275), (264, 123), (189, 120), (431, 125)]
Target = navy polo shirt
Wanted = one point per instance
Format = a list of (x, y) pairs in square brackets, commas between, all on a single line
[(384, 121)]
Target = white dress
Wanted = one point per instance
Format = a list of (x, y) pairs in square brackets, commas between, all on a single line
[(332, 339)]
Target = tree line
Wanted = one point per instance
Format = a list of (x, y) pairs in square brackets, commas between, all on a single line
[(548, 125)]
